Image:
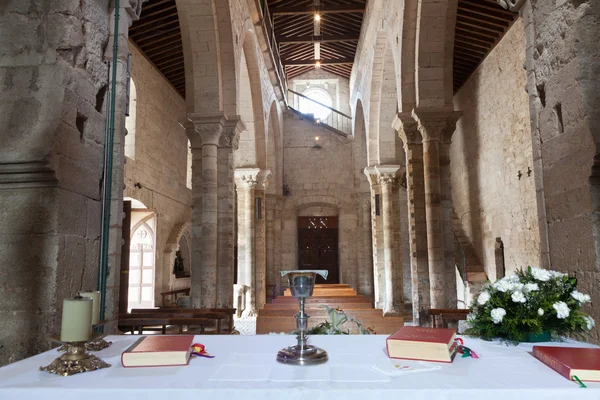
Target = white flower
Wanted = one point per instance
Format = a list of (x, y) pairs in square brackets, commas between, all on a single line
[(540, 312), (556, 274), (470, 317), (483, 298), (582, 298), (590, 322), (498, 315), (531, 287), (562, 309), (513, 278), (518, 297), (503, 286), (541, 274)]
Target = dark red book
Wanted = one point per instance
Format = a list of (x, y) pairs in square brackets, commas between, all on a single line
[(427, 344), (158, 351), (571, 361)]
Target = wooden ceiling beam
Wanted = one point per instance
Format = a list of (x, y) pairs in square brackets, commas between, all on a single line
[(328, 9), (502, 24), (156, 4), (146, 16), (154, 21), (321, 38), (323, 62)]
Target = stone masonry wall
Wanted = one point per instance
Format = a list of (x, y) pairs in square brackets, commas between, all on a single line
[(52, 96), (319, 178), (492, 143), (160, 164)]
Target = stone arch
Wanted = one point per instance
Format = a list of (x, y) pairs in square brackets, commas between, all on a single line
[(274, 150), (434, 50), (382, 140), (181, 231), (252, 148), (360, 147), (207, 38)]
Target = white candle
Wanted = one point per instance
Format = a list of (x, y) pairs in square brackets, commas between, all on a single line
[(95, 296), (76, 323)]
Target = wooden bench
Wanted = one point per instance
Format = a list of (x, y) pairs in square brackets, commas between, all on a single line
[(174, 293), (218, 314), (446, 314), (143, 323)]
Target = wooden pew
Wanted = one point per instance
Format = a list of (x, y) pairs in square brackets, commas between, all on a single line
[(164, 322), (174, 293), (217, 314)]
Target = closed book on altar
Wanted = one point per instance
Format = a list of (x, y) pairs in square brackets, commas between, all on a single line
[(426, 344), (158, 351), (571, 361)]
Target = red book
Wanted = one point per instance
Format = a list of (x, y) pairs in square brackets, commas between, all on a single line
[(158, 351), (427, 344), (571, 361)]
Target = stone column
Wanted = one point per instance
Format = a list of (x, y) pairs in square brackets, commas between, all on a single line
[(365, 268), (415, 187), (376, 238), (387, 178), (434, 128), (447, 210), (260, 233), (205, 133), (248, 181), (228, 143)]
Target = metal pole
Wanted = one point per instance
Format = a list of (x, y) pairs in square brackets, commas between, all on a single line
[(108, 166)]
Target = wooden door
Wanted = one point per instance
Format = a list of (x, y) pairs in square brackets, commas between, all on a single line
[(125, 235), (318, 246)]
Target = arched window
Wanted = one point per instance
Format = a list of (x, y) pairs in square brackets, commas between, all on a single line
[(130, 122), (310, 107), (141, 265), (188, 180)]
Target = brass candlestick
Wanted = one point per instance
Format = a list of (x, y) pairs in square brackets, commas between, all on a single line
[(75, 360), (302, 283), (96, 344)]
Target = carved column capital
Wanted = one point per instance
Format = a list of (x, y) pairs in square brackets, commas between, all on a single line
[(134, 8), (233, 128), (407, 128), (252, 178), (372, 176), (387, 173), (436, 125)]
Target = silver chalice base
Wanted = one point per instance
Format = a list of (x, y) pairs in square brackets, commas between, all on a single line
[(295, 355)]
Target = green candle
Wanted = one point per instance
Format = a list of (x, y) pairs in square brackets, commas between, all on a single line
[(76, 320), (95, 296)]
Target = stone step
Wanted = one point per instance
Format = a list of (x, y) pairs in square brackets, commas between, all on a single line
[(382, 325), (328, 292), (328, 299)]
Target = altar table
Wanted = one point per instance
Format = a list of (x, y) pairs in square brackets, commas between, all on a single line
[(244, 367)]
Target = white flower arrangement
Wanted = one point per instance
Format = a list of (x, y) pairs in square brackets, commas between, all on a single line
[(530, 301)]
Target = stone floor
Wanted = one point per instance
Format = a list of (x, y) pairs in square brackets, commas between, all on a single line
[(246, 326)]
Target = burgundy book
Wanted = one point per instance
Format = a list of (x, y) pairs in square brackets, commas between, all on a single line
[(571, 361), (158, 351), (427, 344)]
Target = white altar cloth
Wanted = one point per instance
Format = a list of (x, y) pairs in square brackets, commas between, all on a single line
[(244, 367)]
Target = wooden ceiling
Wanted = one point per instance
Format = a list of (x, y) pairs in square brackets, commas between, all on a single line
[(157, 35), (340, 25), (479, 27), (480, 24)]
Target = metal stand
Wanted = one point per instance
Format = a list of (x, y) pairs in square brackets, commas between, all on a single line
[(74, 361), (301, 285)]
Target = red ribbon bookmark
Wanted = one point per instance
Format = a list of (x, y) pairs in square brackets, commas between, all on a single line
[(198, 350)]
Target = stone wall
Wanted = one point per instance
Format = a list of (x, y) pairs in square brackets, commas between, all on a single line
[(318, 178), (490, 148), (52, 95), (337, 87), (160, 165)]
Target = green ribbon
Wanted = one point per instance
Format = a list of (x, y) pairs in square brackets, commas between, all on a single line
[(581, 384)]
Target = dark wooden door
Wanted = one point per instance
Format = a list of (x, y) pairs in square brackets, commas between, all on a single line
[(318, 246), (126, 236)]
